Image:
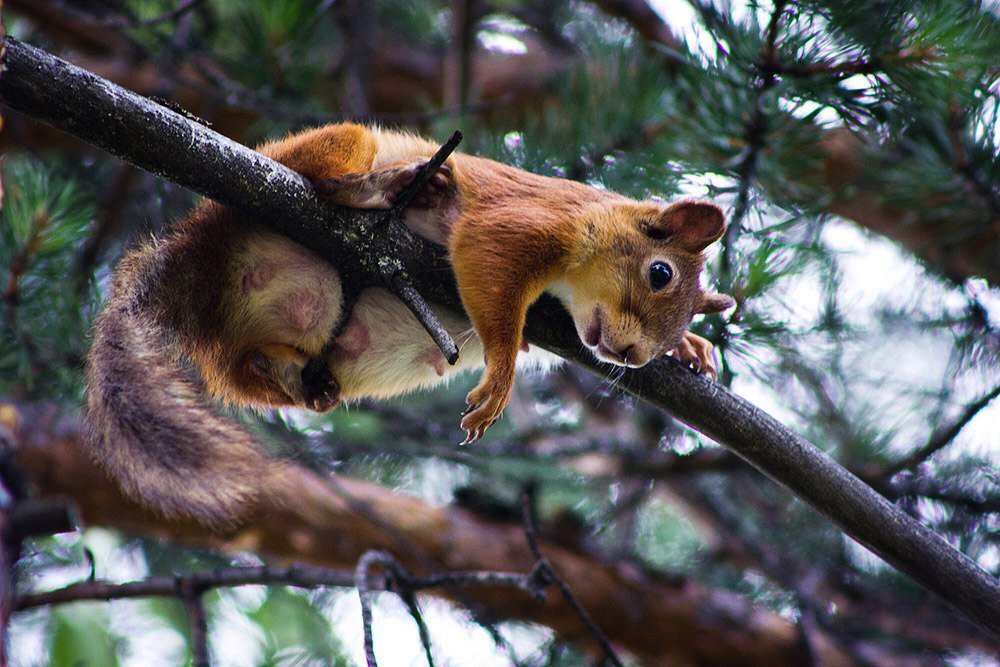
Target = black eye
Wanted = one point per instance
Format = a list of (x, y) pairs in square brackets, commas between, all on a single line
[(660, 275)]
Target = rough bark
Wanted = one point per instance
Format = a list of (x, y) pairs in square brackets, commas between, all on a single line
[(181, 150)]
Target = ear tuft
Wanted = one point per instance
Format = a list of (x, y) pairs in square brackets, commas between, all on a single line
[(712, 302), (693, 225)]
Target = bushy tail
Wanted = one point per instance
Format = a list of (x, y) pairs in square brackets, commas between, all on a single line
[(150, 426)]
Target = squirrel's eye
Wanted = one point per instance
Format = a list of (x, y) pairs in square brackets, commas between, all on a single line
[(660, 275)]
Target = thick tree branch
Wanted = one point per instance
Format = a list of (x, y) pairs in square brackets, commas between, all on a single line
[(179, 149), (333, 522)]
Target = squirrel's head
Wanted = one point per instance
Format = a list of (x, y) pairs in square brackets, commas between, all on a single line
[(634, 290)]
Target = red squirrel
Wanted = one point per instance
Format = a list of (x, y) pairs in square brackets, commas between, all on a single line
[(250, 309)]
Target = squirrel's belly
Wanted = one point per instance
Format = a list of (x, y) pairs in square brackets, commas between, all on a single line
[(383, 350), (284, 293)]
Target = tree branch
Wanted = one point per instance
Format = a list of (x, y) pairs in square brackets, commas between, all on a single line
[(940, 438), (332, 521), (545, 569), (298, 576), (179, 149)]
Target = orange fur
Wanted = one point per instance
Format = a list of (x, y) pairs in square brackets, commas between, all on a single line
[(251, 309)]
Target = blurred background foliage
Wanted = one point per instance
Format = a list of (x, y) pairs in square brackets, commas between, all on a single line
[(856, 144)]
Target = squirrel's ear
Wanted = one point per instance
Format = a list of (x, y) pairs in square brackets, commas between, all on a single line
[(692, 225), (711, 302)]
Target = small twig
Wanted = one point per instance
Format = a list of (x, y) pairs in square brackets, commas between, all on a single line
[(121, 22), (43, 517), (20, 264), (367, 560), (979, 501), (393, 275), (963, 163), (452, 581), (425, 637), (191, 596), (544, 568), (755, 135), (298, 576), (408, 294), (941, 437), (421, 178), (841, 69)]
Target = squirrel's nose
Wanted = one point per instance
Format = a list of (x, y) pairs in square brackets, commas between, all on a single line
[(624, 352), (620, 355)]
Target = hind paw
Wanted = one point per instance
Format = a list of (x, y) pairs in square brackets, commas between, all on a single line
[(322, 391)]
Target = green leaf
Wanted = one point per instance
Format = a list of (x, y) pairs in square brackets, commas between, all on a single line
[(79, 637), (296, 631)]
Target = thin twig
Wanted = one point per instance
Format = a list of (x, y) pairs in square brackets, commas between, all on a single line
[(545, 568), (195, 606), (361, 582), (844, 68), (941, 437), (297, 576), (408, 294), (755, 136), (421, 178), (452, 581), (395, 278), (978, 501), (20, 264), (963, 163), (41, 517), (425, 637)]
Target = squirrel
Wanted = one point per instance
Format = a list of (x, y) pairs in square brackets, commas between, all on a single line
[(250, 309)]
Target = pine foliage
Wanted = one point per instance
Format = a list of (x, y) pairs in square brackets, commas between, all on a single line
[(867, 347)]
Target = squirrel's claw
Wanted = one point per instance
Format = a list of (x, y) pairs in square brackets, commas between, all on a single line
[(486, 403), (697, 353), (322, 391)]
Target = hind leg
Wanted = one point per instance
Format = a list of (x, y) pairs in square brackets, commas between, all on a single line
[(326, 152), (285, 375)]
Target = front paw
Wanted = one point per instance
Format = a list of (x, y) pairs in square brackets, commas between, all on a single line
[(322, 391), (696, 352), (486, 403)]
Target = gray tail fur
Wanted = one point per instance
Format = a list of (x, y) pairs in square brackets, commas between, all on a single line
[(150, 426)]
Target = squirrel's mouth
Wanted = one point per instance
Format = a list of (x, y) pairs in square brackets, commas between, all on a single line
[(592, 334), (593, 338)]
